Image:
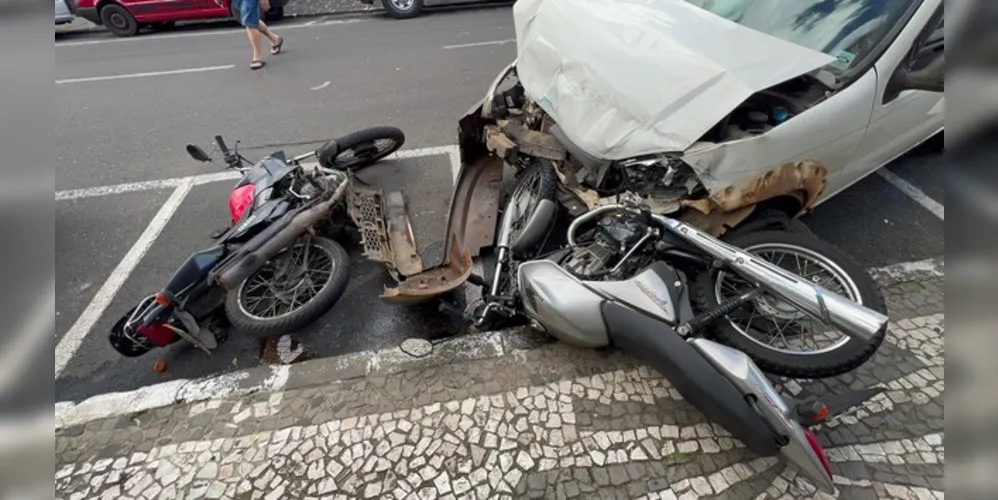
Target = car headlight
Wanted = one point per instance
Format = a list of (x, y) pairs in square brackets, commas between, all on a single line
[(490, 96)]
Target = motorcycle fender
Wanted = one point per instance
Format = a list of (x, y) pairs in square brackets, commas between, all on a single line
[(471, 219), (699, 382)]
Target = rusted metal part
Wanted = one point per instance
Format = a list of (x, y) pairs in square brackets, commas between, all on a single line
[(716, 223), (435, 281), (534, 143), (807, 177), (404, 251), (471, 221), (364, 205), (497, 141)]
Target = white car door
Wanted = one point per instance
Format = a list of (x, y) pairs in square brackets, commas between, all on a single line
[(902, 118)]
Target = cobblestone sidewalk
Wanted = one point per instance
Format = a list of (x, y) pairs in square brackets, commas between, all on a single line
[(551, 422)]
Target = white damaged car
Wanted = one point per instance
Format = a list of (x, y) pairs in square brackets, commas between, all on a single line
[(721, 113), (730, 105)]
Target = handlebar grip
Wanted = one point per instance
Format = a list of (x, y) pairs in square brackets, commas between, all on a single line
[(221, 144)]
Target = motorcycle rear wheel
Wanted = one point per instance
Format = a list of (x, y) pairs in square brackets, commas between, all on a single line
[(845, 354), (246, 316)]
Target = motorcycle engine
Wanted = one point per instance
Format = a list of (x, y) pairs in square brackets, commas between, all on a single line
[(610, 240)]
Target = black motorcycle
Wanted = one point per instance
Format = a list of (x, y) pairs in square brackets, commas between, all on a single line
[(273, 270)]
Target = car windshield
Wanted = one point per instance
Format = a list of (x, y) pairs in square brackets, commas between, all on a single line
[(845, 29)]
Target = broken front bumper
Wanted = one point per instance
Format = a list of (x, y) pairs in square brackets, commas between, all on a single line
[(386, 233)]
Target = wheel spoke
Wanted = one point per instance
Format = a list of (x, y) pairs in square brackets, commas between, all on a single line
[(787, 326), (309, 268)]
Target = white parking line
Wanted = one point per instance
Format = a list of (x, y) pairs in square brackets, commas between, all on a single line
[(73, 339), (913, 192), (144, 75), (480, 44), (452, 153)]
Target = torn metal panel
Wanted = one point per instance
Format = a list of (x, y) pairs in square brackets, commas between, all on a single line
[(471, 221), (433, 282), (403, 244), (364, 205), (535, 143)]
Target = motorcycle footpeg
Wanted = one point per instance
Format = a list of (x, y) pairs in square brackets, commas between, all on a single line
[(451, 309), (817, 411)]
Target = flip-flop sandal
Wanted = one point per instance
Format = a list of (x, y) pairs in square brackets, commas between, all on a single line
[(257, 64), (276, 49)]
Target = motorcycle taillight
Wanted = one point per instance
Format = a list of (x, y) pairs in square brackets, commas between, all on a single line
[(818, 450), (240, 200), (158, 334)]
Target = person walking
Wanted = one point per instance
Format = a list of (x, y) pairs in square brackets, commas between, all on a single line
[(249, 16)]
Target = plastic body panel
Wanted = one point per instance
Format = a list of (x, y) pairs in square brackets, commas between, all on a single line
[(696, 379)]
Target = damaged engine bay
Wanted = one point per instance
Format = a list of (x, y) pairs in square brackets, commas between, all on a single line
[(663, 182)]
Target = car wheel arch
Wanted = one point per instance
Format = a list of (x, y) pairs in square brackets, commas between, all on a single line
[(104, 3)]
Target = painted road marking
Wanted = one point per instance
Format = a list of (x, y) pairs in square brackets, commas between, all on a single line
[(912, 192), (452, 152), (223, 31), (71, 342), (479, 44), (145, 75), (73, 339)]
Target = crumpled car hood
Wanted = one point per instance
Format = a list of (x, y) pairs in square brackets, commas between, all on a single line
[(623, 78)]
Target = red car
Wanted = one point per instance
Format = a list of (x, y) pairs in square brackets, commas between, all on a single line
[(126, 17)]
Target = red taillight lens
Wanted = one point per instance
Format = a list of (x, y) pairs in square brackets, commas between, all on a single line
[(162, 300), (158, 334), (240, 199), (813, 441)]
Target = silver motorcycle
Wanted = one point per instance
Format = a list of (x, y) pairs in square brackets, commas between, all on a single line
[(649, 316)]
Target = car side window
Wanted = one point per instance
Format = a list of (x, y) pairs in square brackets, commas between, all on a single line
[(921, 69), (928, 48)]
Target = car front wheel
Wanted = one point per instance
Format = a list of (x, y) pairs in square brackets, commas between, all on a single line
[(403, 9), (118, 20)]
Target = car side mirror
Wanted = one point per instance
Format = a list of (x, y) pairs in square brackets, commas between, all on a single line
[(930, 78), (197, 153)]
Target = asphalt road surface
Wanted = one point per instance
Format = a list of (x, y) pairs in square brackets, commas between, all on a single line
[(127, 107)]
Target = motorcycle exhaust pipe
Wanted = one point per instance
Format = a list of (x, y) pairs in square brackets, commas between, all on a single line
[(858, 322), (299, 224)]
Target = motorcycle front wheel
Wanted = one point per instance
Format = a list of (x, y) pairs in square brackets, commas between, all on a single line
[(364, 148), (290, 291), (779, 338)]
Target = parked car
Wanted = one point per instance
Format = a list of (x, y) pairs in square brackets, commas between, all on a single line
[(64, 12), (405, 9), (126, 17)]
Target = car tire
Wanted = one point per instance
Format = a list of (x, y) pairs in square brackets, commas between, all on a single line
[(118, 20), (403, 9)]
